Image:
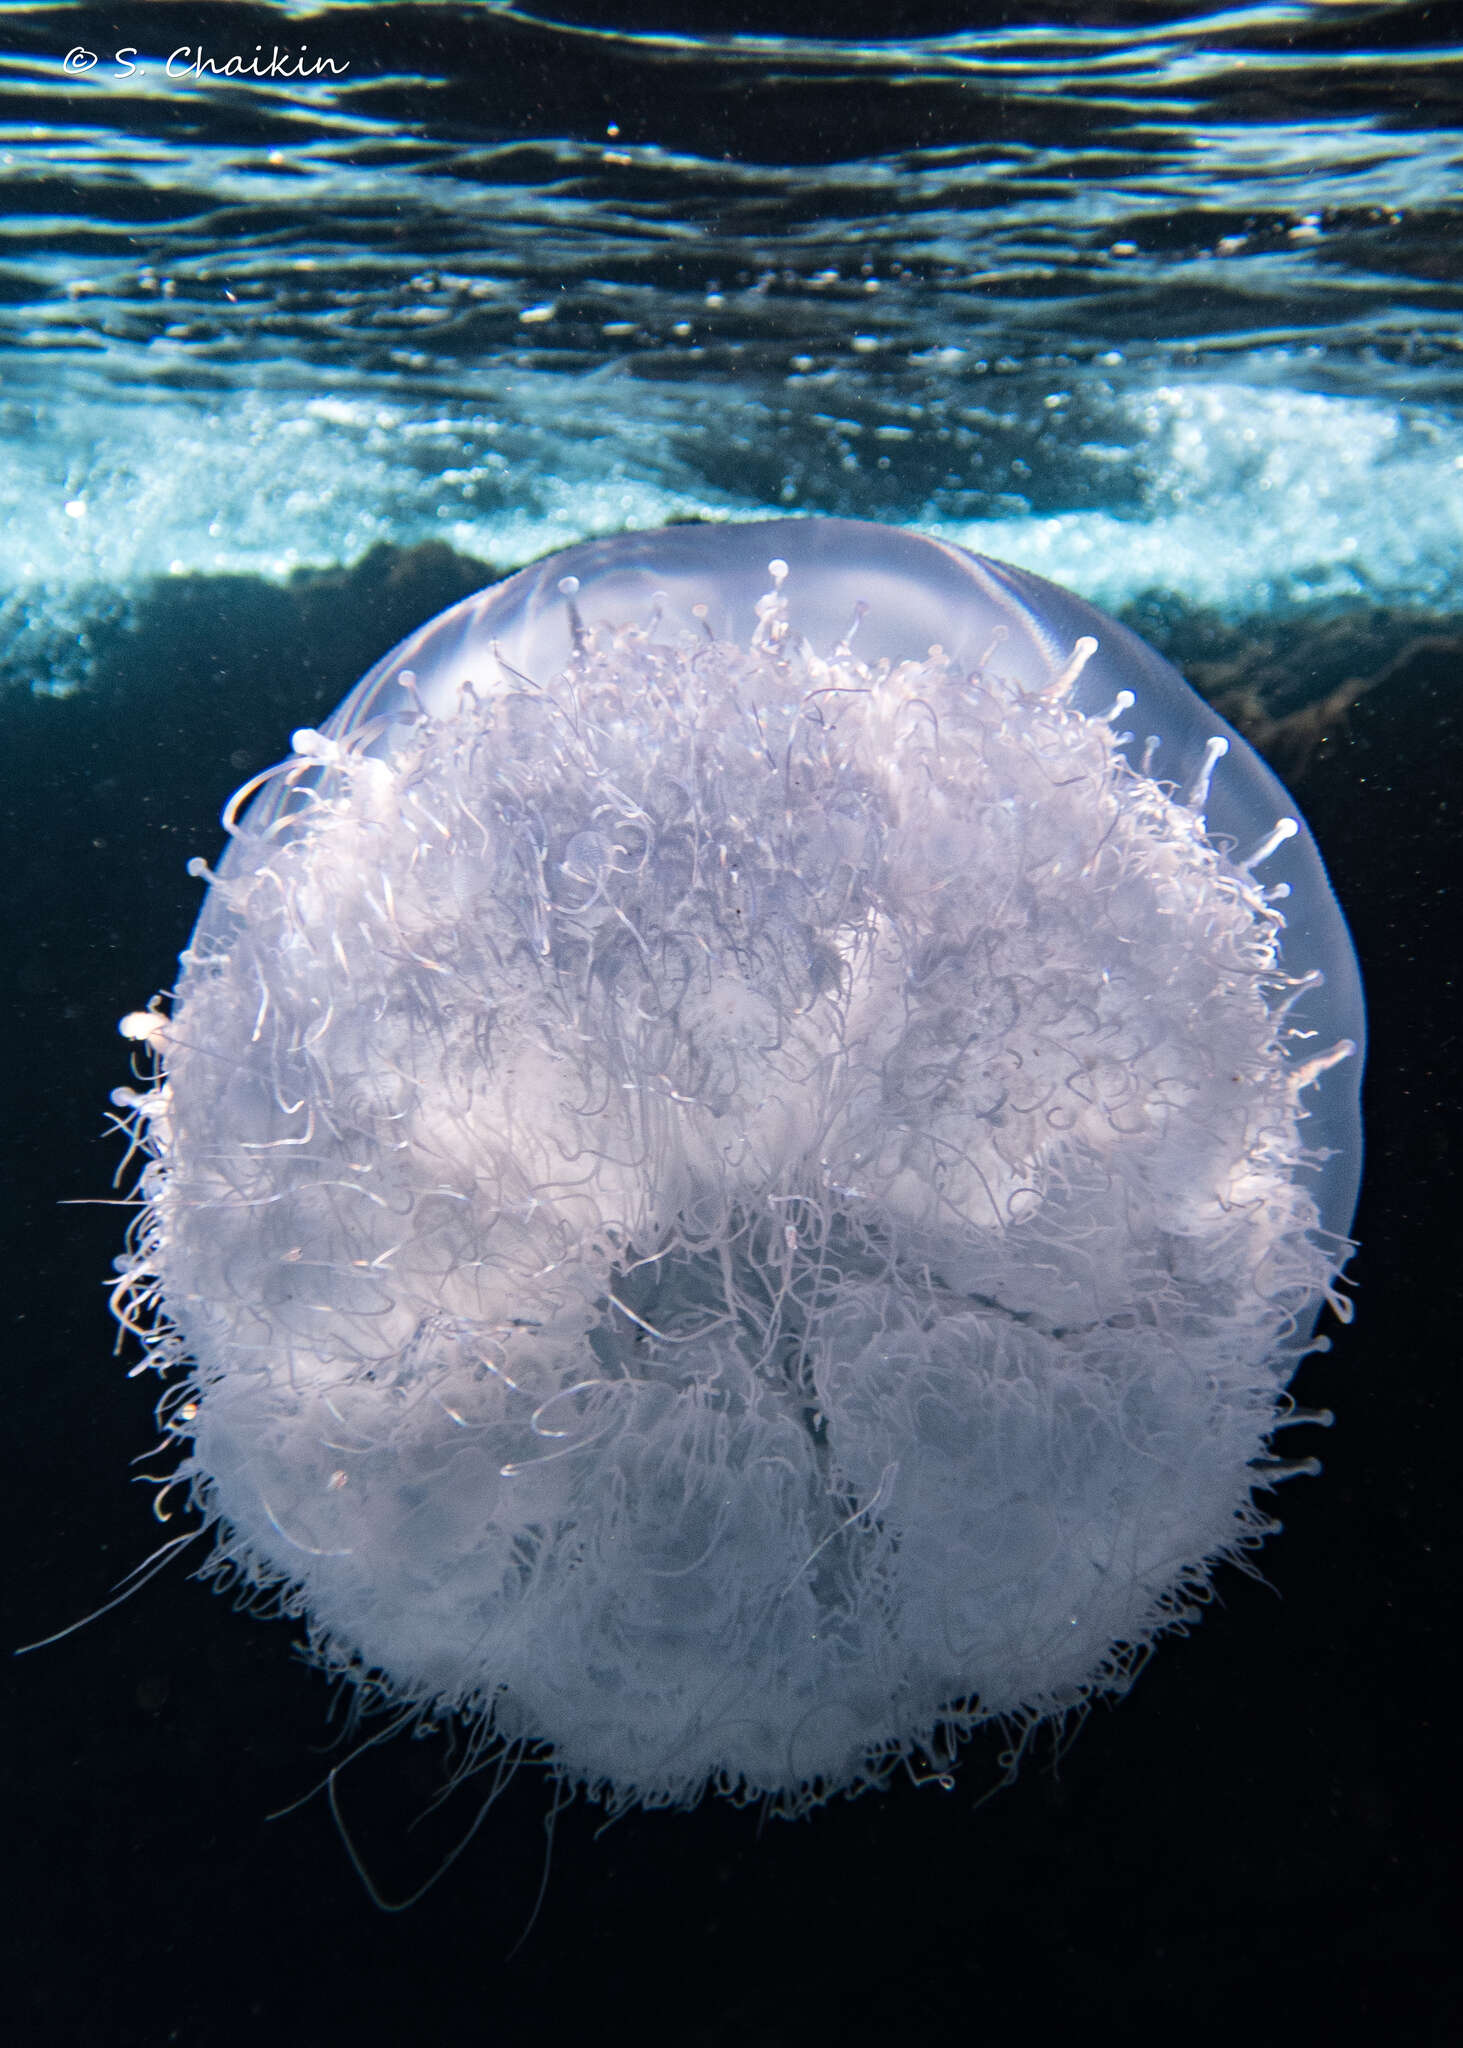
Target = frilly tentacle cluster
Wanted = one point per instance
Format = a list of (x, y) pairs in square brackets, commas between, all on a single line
[(726, 1209)]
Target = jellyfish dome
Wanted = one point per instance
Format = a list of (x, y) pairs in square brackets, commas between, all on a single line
[(748, 1141)]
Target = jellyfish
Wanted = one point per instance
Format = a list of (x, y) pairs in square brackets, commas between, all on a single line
[(749, 1139)]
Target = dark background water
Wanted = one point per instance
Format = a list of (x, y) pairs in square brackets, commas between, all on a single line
[(1163, 303)]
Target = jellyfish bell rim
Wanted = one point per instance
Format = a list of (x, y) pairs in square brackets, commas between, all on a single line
[(893, 593)]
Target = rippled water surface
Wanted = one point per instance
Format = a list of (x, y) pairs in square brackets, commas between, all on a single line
[(1165, 303)]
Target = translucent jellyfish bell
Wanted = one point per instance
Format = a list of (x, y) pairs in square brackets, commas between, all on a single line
[(892, 594), (749, 1139)]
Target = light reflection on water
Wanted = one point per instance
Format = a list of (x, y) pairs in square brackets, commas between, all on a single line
[(1171, 306)]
